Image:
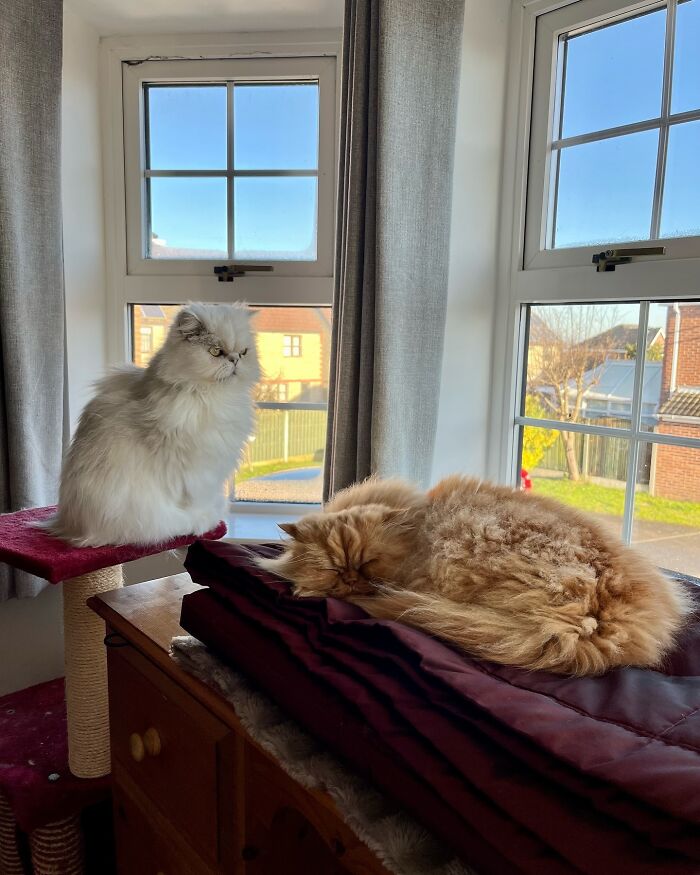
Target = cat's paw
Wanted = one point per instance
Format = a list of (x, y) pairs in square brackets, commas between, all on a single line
[(204, 522)]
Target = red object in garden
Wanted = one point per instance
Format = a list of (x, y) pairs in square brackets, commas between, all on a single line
[(525, 482)]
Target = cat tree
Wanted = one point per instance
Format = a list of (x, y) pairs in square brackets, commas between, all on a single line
[(84, 572)]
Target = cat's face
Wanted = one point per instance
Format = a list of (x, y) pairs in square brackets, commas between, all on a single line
[(345, 553), (210, 343)]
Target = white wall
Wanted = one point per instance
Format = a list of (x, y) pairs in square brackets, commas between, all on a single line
[(83, 228), (462, 437)]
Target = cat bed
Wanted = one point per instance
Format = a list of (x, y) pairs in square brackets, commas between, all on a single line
[(30, 549), (520, 772)]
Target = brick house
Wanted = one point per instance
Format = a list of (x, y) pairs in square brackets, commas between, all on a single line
[(675, 471)]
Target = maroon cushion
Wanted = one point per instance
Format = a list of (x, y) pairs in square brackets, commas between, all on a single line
[(34, 774), (535, 758), (30, 549)]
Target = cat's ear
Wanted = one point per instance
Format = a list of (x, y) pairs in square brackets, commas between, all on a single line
[(188, 324), (291, 529), (398, 518)]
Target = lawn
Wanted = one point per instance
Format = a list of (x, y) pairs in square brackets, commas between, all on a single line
[(247, 472), (610, 500)]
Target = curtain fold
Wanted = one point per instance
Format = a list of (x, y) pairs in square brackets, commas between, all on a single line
[(398, 110), (32, 346)]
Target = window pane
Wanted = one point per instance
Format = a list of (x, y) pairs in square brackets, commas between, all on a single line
[(549, 457), (275, 218), (284, 459), (186, 127), (613, 75), (667, 503), (686, 62), (580, 363), (275, 127), (605, 190), (680, 215), (188, 217)]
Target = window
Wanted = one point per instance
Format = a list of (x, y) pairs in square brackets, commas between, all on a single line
[(614, 142), (223, 153), (283, 460), (291, 345), (146, 335), (598, 394), (230, 161), (635, 466)]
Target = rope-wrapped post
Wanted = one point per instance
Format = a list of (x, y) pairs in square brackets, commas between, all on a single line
[(10, 861), (86, 673), (58, 848)]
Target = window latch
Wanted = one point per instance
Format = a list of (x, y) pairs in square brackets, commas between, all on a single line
[(227, 272), (608, 260)]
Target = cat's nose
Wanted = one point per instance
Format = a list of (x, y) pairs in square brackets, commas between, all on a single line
[(234, 358)]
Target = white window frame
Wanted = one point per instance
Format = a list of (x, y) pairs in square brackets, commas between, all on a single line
[(572, 279), (288, 350), (313, 54), (227, 72), (579, 17)]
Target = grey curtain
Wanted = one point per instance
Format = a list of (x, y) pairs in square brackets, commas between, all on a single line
[(399, 102), (31, 263)]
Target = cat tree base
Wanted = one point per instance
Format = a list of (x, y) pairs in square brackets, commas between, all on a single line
[(84, 571)]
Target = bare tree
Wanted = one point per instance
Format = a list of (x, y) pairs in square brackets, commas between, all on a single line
[(575, 343)]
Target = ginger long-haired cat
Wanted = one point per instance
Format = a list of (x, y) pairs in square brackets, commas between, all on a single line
[(514, 578)]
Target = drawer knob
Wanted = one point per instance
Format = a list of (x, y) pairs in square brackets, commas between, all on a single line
[(136, 747), (148, 744), (151, 742)]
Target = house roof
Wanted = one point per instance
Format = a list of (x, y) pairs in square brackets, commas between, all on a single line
[(614, 381), (622, 336), (293, 320), (683, 402)]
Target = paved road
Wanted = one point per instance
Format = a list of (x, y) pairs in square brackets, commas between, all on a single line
[(670, 546), (293, 474), (665, 544)]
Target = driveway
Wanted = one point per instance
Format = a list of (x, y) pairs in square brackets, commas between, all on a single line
[(670, 546)]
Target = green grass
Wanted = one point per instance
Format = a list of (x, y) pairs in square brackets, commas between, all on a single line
[(259, 469), (610, 500)]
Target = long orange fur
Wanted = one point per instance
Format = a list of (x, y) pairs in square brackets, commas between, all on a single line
[(514, 578)]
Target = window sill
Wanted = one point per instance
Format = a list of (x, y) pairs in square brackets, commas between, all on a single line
[(256, 522)]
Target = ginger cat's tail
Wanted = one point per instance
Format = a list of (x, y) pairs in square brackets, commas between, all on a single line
[(545, 642)]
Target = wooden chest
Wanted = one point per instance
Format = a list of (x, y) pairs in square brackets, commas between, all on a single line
[(193, 793)]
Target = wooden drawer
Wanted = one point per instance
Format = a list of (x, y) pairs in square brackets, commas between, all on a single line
[(188, 768), (293, 831), (145, 846)]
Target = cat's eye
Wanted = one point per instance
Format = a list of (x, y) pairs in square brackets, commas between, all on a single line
[(244, 351), (214, 350)]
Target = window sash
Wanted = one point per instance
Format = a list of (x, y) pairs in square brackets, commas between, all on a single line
[(634, 434), (230, 72), (545, 147)]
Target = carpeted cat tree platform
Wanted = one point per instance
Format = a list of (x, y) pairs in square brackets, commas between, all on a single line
[(84, 572)]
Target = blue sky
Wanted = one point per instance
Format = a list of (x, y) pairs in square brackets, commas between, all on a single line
[(275, 128), (613, 77)]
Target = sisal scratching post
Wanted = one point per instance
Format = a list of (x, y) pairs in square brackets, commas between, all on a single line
[(86, 673), (10, 862), (57, 848)]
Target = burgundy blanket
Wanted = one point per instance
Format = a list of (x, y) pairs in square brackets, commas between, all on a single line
[(521, 772)]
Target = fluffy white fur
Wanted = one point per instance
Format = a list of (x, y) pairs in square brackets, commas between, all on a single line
[(153, 448)]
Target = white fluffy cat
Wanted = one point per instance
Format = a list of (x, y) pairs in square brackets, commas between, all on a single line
[(153, 448)]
